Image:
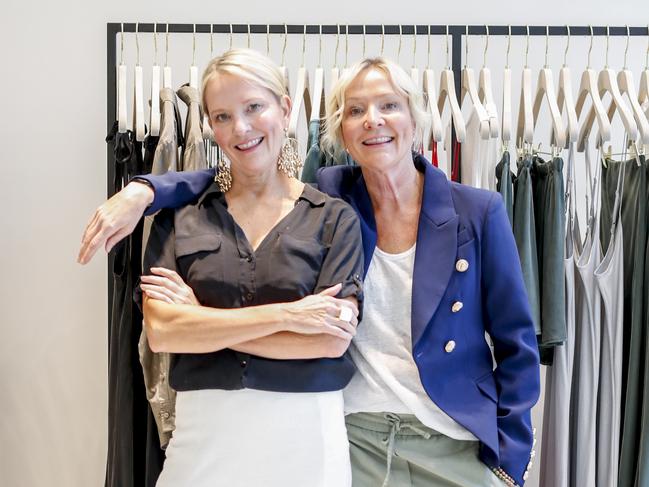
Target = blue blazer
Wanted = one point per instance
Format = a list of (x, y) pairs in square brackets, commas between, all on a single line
[(455, 222)]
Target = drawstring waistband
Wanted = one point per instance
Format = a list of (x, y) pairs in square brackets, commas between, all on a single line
[(396, 427)]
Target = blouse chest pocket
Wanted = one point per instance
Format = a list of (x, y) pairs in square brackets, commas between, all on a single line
[(199, 259), (295, 262)]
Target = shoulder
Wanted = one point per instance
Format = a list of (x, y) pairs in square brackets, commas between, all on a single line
[(333, 206), (337, 180), (472, 204)]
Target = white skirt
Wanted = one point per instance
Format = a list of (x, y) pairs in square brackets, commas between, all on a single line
[(252, 438)]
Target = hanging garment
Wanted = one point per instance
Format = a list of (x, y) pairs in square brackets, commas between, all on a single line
[(479, 157), (610, 281), (525, 235), (166, 154), (150, 145), (633, 453), (317, 158), (504, 184), (127, 407), (555, 448), (549, 217), (587, 348), (643, 461), (193, 150)]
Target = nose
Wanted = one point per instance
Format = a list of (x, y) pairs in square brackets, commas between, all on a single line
[(373, 118), (241, 125)]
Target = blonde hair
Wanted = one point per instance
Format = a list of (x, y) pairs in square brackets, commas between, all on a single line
[(248, 64), (404, 85)]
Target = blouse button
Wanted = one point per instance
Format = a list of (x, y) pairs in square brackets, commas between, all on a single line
[(249, 259), (249, 296), (243, 363), (461, 265)]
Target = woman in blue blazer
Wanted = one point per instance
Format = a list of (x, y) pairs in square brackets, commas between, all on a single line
[(427, 405)]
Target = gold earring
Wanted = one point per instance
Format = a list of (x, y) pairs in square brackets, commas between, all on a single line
[(223, 177), (289, 161)]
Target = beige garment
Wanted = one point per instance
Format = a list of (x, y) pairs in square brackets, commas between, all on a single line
[(193, 153)]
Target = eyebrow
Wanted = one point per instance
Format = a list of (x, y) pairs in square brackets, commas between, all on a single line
[(245, 102)]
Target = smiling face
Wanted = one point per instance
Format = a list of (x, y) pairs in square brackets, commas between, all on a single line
[(248, 122), (377, 126)]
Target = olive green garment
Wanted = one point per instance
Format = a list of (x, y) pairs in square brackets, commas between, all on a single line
[(317, 158), (549, 217), (635, 391), (504, 185), (418, 455), (525, 236)]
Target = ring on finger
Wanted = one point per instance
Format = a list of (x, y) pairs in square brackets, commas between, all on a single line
[(345, 314)]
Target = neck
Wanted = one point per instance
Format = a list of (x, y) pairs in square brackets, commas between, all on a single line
[(268, 185), (396, 188)]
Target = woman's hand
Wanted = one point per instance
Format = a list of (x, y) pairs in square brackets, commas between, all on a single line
[(322, 313), (166, 285), (114, 220)]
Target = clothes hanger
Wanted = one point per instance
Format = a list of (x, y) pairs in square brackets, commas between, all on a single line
[(545, 91), (138, 92), (318, 100), (154, 119), (346, 68), (414, 71), (302, 97), (283, 69), (207, 131), (166, 71), (335, 71), (607, 83), (627, 87), (193, 69), (430, 95), (506, 133), (485, 92), (565, 99), (643, 91), (588, 88), (122, 116), (447, 94), (525, 128), (470, 88)]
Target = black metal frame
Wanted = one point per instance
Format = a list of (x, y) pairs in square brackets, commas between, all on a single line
[(456, 32)]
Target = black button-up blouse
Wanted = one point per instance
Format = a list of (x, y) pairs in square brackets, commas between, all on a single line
[(317, 245)]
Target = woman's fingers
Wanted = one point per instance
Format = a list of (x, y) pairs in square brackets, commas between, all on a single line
[(156, 295), (161, 281), (162, 290), (168, 273), (331, 291)]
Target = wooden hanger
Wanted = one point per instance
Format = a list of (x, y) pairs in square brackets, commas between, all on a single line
[(122, 115), (302, 98), (138, 93), (430, 98), (470, 88), (154, 118), (193, 69), (335, 71), (506, 133), (208, 134), (627, 86), (545, 90), (283, 69), (318, 95), (607, 82), (565, 99), (447, 94), (485, 92), (643, 90), (166, 71), (525, 126)]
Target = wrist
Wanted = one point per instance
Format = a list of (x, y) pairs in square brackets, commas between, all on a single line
[(141, 192), (282, 320)]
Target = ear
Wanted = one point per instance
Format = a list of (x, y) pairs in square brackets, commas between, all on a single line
[(286, 105)]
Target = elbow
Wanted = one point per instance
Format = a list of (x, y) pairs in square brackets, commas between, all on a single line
[(336, 347), (155, 335)]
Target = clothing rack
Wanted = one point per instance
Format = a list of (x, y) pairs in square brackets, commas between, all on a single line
[(455, 33)]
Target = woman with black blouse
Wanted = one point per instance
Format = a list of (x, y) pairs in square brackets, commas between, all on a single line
[(268, 274)]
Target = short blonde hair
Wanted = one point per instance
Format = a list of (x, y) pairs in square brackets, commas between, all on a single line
[(332, 140), (248, 64)]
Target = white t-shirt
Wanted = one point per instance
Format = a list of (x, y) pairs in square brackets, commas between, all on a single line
[(387, 379)]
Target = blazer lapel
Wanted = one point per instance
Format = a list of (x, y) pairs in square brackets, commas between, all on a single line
[(436, 249), (359, 199)]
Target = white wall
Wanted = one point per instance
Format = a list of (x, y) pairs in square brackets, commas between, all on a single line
[(53, 85)]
